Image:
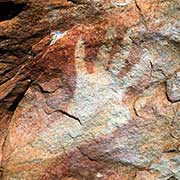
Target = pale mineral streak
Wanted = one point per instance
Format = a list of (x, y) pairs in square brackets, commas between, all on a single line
[(56, 36), (120, 4)]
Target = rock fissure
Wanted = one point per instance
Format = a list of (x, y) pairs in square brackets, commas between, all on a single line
[(10, 9), (68, 115), (71, 116), (141, 14)]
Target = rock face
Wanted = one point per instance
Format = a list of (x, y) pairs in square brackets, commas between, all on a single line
[(90, 90), (173, 88)]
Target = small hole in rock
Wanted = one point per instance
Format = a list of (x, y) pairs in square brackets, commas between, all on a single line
[(9, 10), (172, 178), (1, 172)]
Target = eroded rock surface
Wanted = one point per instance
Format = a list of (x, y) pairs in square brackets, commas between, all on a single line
[(173, 87), (89, 90)]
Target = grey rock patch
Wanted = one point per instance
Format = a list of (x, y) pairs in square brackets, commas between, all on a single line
[(173, 88)]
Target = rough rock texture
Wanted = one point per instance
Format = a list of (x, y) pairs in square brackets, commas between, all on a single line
[(173, 87), (90, 90)]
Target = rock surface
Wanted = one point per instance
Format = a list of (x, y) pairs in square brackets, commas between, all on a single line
[(89, 90), (173, 87)]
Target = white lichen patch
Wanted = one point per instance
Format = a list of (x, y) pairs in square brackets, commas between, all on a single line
[(56, 36), (99, 175), (120, 4)]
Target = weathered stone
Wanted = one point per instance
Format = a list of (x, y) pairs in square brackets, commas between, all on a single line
[(173, 87), (86, 90)]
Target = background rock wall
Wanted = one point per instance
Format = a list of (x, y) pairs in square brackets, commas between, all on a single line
[(89, 90)]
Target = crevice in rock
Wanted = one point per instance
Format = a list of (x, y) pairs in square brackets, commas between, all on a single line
[(71, 116), (12, 51), (14, 105), (3, 75), (172, 178), (1, 172), (141, 14), (9, 9), (134, 109), (42, 90), (138, 7), (68, 115), (2, 38), (76, 1), (174, 150)]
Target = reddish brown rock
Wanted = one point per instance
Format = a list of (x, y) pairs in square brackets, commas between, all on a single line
[(85, 89)]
